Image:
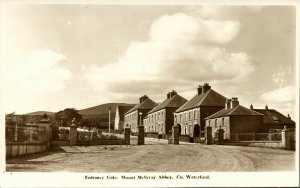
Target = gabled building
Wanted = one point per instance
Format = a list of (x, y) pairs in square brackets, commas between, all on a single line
[(234, 119), (190, 116), (120, 115), (273, 119), (161, 118), (134, 117)]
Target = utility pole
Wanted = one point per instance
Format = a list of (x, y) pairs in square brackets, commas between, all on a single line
[(109, 119)]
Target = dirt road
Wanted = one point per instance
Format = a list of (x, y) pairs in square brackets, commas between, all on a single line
[(157, 156)]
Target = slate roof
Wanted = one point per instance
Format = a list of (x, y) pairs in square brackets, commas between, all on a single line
[(238, 110), (147, 104), (209, 98), (268, 117), (175, 101)]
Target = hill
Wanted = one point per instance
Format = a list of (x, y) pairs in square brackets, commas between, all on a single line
[(100, 112), (37, 113)]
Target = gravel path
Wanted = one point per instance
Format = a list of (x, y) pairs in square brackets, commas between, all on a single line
[(157, 156)]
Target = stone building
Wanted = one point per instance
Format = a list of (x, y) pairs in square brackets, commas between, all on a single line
[(134, 117), (120, 115), (190, 116), (234, 119), (161, 118), (273, 119)]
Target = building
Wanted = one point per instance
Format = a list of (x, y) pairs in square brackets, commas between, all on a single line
[(135, 115), (161, 118), (190, 116), (120, 115), (273, 119), (234, 119)]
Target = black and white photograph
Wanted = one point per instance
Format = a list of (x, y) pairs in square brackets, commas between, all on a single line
[(147, 93)]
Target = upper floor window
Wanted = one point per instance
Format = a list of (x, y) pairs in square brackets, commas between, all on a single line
[(216, 123), (223, 121), (195, 114)]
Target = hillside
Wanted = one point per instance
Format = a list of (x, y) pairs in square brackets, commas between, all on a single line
[(100, 112), (40, 113)]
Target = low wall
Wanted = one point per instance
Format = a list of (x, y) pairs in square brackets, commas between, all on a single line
[(101, 142), (184, 138), (265, 144), (16, 149), (60, 142)]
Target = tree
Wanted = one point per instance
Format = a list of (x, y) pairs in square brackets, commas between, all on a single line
[(64, 117)]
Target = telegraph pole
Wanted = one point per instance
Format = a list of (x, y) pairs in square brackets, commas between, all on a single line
[(109, 119)]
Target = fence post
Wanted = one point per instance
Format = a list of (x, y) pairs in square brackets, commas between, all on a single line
[(286, 138), (220, 136), (127, 136), (73, 134), (237, 136), (208, 135), (175, 134), (141, 135)]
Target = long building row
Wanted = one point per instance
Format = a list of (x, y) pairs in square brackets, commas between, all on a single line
[(206, 108)]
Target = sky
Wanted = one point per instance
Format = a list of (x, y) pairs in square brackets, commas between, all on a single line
[(59, 56)]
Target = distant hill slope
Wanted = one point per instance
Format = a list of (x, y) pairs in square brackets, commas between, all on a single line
[(100, 112), (40, 113)]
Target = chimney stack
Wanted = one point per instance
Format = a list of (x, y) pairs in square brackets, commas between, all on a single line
[(289, 116), (251, 107), (168, 95), (172, 93), (234, 102), (205, 87), (200, 90), (267, 108), (143, 98), (228, 104)]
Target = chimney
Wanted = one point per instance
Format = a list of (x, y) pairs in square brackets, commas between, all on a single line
[(200, 88), (289, 116), (173, 93), (143, 98), (168, 95), (228, 104), (234, 102), (266, 107), (205, 87), (251, 107)]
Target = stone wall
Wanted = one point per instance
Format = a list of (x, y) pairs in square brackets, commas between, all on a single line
[(17, 149)]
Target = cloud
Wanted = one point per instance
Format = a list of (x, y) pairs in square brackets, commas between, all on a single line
[(181, 51), (281, 99), (39, 72), (283, 77), (280, 95)]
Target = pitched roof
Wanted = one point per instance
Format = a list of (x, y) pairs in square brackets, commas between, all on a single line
[(235, 111), (175, 101), (272, 116), (146, 104), (209, 98)]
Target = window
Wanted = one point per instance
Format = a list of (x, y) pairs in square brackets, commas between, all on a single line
[(162, 127), (190, 114), (195, 114), (190, 129), (275, 118), (162, 114), (180, 118), (223, 121), (216, 123)]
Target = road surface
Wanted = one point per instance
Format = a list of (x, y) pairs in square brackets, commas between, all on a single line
[(156, 156)]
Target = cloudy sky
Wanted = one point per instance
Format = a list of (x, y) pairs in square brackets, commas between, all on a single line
[(58, 56)]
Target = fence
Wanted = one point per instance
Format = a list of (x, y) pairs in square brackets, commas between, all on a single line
[(22, 140), (256, 136), (97, 137)]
